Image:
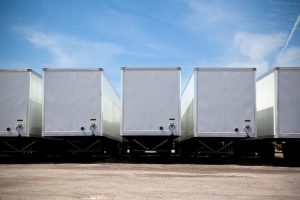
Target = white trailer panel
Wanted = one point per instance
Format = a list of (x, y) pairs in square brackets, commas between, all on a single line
[(150, 101), (278, 103), (219, 102), (80, 102), (20, 103)]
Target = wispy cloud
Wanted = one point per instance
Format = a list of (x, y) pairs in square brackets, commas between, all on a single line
[(208, 14), (258, 46), (248, 37), (288, 39), (289, 58), (130, 29), (69, 50), (256, 50)]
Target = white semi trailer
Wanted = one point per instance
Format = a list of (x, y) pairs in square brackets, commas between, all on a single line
[(278, 108), (218, 108), (81, 107), (20, 110), (150, 109)]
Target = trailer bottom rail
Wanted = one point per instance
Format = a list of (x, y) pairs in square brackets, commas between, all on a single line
[(79, 145), (147, 149), (151, 144), (207, 146), (222, 149), (13, 145), (84, 148)]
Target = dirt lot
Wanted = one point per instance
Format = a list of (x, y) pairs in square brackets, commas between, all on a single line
[(148, 181)]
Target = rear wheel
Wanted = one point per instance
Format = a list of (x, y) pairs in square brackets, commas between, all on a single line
[(291, 151), (266, 151)]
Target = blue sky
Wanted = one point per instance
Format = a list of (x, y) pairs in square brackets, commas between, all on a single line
[(141, 33)]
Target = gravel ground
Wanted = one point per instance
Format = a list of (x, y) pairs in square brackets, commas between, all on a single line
[(148, 181)]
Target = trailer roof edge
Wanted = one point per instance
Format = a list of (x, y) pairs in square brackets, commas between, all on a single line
[(20, 70), (224, 69), (150, 68), (274, 69), (72, 69)]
